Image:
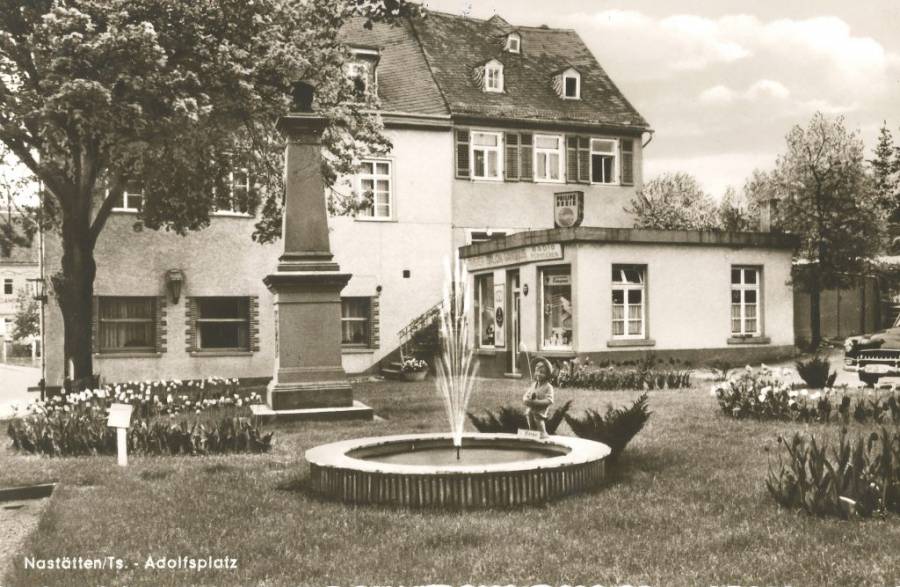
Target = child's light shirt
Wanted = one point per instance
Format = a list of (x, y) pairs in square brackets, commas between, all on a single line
[(543, 391)]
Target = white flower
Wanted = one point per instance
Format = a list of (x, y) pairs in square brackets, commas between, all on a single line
[(815, 396), (804, 392), (749, 369), (793, 393)]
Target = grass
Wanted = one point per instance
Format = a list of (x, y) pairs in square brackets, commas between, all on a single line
[(685, 506)]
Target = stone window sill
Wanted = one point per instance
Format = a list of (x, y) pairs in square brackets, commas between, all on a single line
[(488, 352), (359, 350), (129, 355), (557, 353), (234, 353), (749, 340), (630, 342)]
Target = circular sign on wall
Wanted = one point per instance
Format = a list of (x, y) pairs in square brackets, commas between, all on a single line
[(498, 317)]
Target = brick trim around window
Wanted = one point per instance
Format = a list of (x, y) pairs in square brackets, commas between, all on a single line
[(161, 331), (254, 324), (190, 334), (374, 321), (95, 325)]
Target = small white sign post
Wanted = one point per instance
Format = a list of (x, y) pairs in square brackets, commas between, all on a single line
[(120, 419)]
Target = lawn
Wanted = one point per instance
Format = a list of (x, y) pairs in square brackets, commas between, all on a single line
[(685, 506)]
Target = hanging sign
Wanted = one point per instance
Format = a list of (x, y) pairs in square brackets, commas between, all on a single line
[(568, 209), (546, 252), (499, 301)]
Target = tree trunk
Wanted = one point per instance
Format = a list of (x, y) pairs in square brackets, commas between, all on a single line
[(815, 318), (74, 287)]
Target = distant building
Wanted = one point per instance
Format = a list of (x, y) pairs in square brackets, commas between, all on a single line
[(18, 265), (497, 130)]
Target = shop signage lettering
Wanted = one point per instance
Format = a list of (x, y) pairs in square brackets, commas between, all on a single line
[(568, 209), (547, 252)]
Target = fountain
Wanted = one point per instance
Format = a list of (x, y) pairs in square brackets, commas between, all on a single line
[(456, 469)]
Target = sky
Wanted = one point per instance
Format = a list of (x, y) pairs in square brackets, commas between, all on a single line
[(723, 81)]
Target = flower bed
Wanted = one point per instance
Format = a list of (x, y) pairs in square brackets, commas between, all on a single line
[(206, 416), (766, 394), (643, 375)]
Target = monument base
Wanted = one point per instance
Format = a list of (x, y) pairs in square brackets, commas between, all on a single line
[(316, 394), (356, 411)]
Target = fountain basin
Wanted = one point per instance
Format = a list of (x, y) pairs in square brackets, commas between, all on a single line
[(421, 470)]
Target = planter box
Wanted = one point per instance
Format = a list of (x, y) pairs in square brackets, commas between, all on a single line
[(414, 375)]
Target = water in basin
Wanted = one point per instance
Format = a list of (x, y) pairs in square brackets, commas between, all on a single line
[(475, 455)]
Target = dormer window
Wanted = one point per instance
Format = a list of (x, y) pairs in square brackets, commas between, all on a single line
[(362, 70), (359, 74), (514, 43), (570, 84), (493, 76)]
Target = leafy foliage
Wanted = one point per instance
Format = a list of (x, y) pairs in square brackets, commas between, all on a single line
[(646, 374), (673, 201), (861, 478), (737, 213), (764, 394), (26, 321), (816, 372), (512, 418), (615, 428), (886, 173)]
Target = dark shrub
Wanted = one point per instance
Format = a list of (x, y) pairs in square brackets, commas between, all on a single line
[(615, 428), (816, 372), (512, 418)]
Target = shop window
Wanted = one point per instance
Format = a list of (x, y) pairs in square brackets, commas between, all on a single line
[(603, 160), (127, 324), (745, 301), (356, 317), (223, 324), (558, 311), (547, 158), (374, 179), (628, 301), (486, 155), (485, 326)]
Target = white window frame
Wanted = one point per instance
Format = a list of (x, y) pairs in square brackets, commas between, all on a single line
[(231, 211), (199, 321), (577, 77), (513, 37), (103, 323), (479, 306), (123, 204), (626, 286), (375, 177), (367, 320), (744, 287), (493, 77), (498, 149), (359, 69), (560, 152), (614, 155)]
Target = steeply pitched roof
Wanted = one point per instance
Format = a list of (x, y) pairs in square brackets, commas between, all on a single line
[(427, 66)]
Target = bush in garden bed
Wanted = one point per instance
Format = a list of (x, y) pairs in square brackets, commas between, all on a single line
[(647, 374), (511, 418), (816, 372), (861, 478), (764, 394), (83, 431), (615, 428)]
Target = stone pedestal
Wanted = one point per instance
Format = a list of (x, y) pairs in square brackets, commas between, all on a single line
[(309, 380)]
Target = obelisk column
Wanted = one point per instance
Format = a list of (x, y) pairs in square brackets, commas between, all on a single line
[(308, 282)]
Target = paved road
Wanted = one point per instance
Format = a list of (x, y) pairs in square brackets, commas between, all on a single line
[(14, 384)]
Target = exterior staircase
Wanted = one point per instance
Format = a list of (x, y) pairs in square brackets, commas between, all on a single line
[(414, 342)]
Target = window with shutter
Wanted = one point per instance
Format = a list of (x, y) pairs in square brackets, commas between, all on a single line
[(578, 159), (512, 156), (571, 159), (526, 165), (627, 146), (462, 153)]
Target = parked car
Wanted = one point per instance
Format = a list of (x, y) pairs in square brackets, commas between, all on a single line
[(874, 356)]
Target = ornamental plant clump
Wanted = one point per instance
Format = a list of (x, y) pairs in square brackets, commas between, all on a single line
[(859, 478), (816, 372), (615, 428), (413, 365), (169, 417), (647, 374), (765, 394), (510, 419)]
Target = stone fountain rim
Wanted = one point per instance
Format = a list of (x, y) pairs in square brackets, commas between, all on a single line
[(334, 454)]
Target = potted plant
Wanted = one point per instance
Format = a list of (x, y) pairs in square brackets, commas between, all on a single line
[(414, 369)]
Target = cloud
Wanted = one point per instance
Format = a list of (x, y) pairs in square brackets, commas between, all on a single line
[(716, 172), (765, 92)]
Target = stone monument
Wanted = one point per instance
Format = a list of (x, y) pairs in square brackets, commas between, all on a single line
[(309, 381)]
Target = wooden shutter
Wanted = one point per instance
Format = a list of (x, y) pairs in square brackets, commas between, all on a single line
[(526, 157), (95, 327), (584, 160), (512, 156), (626, 148), (571, 159), (374, 316), (254, 324), (190, 326), (462, 153), (161, 330)]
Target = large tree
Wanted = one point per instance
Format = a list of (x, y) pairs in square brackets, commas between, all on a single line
[(827, 198), (673, 201), (173, 94), (737, 212), (886, 173)]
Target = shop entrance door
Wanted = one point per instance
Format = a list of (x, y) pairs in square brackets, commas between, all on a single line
[(514, 324)]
